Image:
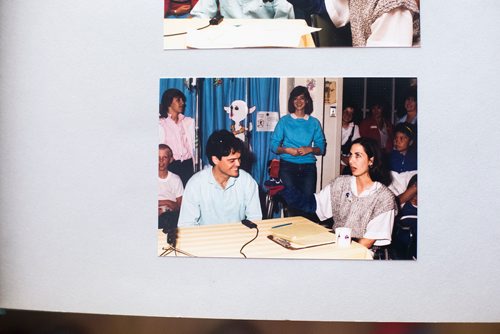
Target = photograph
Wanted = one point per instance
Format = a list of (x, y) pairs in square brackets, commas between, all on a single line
[(306, 168), (214, 24)]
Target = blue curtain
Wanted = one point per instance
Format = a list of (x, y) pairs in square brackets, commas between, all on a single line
[(264, 94), (185, 86), (216, 93)]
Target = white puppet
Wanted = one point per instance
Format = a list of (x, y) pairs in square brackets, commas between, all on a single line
[(238, 111)]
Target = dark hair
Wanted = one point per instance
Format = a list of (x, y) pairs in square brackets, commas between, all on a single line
[(377, 171), (411, 92), (297, 91), (382, 103), (167, 98), (378, 101), (357, 115), (407, 129), (222, 143)]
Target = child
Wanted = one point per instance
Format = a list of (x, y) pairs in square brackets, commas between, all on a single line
[(403, 158)]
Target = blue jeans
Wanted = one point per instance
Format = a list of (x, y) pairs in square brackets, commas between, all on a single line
[(300, 176), (300, 185)]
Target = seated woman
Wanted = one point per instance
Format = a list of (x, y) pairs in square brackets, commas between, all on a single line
[(373, 22), (410, 106), (378, 126), (360, 201), (403, 161), (244, 9)]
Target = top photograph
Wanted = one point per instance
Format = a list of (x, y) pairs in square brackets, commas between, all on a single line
[(227, 24)]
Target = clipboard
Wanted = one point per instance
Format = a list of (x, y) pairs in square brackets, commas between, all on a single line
[(299, 235)]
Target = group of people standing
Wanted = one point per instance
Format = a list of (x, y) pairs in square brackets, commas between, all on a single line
[(372, 22), (379, 161)]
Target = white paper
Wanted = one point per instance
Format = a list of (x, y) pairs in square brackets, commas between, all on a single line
[(266, 121), (247, 36)]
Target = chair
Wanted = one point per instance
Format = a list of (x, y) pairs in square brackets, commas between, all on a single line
[(404, 238), (274, 202), (330, 35)]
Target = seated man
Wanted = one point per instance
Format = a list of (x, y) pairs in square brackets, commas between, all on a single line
[(244, 9), (170, 191), (221, 193)]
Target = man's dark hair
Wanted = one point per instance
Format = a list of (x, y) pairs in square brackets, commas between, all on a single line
[(167, 98), (222, 143)]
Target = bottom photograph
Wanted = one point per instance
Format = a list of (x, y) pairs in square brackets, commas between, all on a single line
[(297, 168)]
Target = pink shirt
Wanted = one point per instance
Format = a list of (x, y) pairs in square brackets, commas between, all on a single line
[(178, 136)]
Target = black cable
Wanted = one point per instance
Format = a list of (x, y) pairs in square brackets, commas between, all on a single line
[(256, 235), (185, 32)]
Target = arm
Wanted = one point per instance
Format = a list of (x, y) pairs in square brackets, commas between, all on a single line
[(204, 9), (171, 205), (318, 141), (394, 28), (277, 139), (291, 150), (338, 11), (368, 243), (356, 134), (306, 150), (253, 210), (190, 209), (283, 10), (324, 203), (407, 195), (161, 133), (379, 230)]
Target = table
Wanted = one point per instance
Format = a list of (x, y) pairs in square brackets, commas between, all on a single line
[(225, 240), (233, 33)]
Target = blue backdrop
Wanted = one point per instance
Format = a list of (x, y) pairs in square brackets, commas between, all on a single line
[(211, 95)]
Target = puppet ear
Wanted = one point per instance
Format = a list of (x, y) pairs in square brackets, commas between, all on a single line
[(227, 109), (251, 110)]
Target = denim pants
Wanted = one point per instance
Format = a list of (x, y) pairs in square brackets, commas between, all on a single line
[(300, 176), (300, 179)]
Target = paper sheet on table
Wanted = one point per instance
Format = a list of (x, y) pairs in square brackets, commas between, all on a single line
[(247, 36)]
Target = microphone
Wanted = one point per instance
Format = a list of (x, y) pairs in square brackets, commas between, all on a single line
[(248, 223), (218, 16)]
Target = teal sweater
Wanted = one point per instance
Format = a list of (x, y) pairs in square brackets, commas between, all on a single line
[(290, 132)]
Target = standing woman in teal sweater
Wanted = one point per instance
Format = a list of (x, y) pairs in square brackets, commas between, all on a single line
[(298, 138)]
